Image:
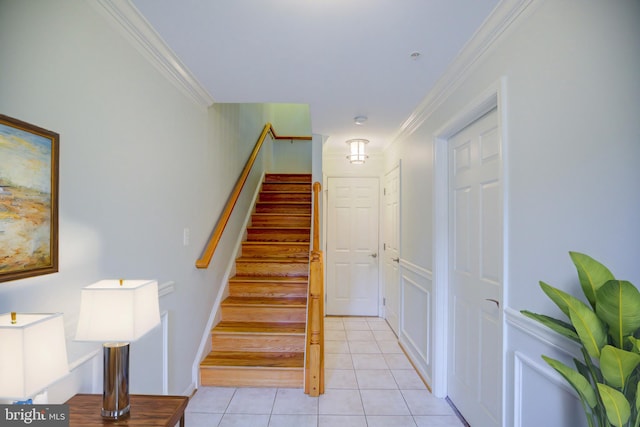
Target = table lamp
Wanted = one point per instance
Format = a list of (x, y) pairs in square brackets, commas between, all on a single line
[(33, 356), (116, 312)]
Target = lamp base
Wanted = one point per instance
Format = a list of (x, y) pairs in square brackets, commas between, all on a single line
[(115, 394)]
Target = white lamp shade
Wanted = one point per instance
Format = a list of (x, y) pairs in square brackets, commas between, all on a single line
[(357, 151), (33, 354), (110, 312)]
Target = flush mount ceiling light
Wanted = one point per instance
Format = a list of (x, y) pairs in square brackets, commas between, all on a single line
[(360, 120), (415, 55), (356, 150)]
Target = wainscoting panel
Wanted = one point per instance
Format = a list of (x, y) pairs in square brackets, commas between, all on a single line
[(536, 395), (416, 296)]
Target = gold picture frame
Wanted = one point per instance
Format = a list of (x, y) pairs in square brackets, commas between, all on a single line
[(29, 160)]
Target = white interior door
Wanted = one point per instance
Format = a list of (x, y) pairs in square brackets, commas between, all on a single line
[(475, 272), (391, 247), (352, 246)]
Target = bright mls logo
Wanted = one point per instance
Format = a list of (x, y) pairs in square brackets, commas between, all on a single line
[(34, 415)]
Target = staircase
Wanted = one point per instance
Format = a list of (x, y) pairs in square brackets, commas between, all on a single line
[(260, 340)]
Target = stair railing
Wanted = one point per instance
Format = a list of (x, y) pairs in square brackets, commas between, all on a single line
[(314, 360), (216, 235)]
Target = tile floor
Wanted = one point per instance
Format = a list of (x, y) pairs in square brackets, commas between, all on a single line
[(369, 382)]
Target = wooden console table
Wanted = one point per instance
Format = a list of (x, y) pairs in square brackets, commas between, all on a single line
[(146, 411)]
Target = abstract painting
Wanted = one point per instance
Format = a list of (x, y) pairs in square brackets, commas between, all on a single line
[(28, 200)]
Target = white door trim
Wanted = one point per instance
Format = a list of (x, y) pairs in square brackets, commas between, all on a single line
[(383, 310), (492, 97)]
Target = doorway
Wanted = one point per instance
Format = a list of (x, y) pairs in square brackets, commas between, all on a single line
[(469, 244), (352, 247)]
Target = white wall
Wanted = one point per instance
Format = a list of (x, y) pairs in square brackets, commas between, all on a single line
[(140, 161), (571, 155)]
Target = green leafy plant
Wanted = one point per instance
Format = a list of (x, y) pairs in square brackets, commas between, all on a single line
[(607, 327)]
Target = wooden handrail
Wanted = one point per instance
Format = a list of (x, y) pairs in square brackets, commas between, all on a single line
[(314, 360), (207, 255)]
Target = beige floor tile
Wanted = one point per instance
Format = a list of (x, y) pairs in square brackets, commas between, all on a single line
[(342, 421), (333, 324), (338, 361), (356, 325), (340, 347), (341, 402), (390, 421), (360, 335), (379, 325), (294, 401), (384, 402), (340, 378), (199, 419), (211, 399), (378, 379), (438, 421), (369, 361), (364, 347), (397, 361), (252, 401), (244, 420), (387, 335), (408, 379), (422, 402), (293, 421), (335, 335), (390, 347)]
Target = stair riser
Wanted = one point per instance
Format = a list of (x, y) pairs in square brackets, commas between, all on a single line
[(272, 269), (286, 186), (285, 197), (265, 290), (257, 342), (263, 314), (274, 177), (283, 208), (277, 235), (280, 221), (251, 377), (269, 251)]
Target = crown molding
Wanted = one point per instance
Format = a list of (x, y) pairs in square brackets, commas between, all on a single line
[(144, 37), (491, 30)]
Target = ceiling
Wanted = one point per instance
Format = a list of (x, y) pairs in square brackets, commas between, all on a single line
[(344, 58)]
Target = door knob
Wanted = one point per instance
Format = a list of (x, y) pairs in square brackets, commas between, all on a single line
[(373, 255), (395, 259), (495, 301)]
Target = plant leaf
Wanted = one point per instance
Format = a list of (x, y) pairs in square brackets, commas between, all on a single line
[(635, 343), (563, 328), (616, 405), (576, 380), (618, 304), (638, 397), (592, 275), (617, 365), (562, 299), (589, 328)]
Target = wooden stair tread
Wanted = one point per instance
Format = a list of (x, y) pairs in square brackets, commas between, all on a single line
[(276, 227), (271, 279), (253, 359), (259, 327), (283, 202), (287, 260), (274, 243), (265, 301)]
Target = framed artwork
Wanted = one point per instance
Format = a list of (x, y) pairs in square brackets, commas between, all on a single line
[(28, 200)]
